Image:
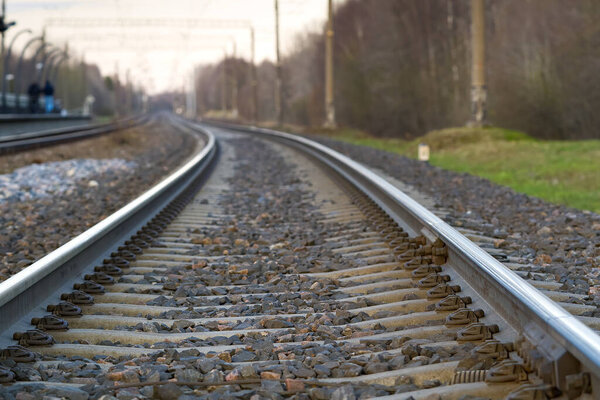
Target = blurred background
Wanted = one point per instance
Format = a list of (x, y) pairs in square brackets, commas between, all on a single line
[(402, 67), (505, 89)]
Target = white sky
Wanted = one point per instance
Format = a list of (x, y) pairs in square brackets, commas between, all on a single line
[(161, 57)]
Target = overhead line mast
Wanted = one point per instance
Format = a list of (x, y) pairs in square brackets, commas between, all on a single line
[(279, 80), (478, 84), (329, 94)]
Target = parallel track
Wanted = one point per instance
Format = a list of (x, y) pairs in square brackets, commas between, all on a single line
[(31, 140), (355, 286)]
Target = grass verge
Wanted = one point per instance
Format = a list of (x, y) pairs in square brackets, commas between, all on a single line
[(563, 172)]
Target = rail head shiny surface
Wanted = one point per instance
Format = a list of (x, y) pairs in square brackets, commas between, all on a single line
[(579, 340), (20, 282)]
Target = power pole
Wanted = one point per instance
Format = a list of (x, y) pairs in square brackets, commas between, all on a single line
[(194, 95), (478, 86), (83, 69), (253, 77), (189, 92), (279, 81), (66, 76), (234, 83), (224, 86), (116, 87), (128, 94), (199, 96), (329, 96)]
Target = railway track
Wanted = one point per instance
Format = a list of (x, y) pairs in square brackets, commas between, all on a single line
[(13, 124), (271, 267), (10, 143)]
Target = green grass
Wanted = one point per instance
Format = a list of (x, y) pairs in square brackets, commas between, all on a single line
[(103, 119), (563, 172)]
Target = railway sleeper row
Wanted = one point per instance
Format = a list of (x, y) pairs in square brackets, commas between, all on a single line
[(219, 309)]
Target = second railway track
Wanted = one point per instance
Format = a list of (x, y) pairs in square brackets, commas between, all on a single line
[(289, 272), (38, 137)]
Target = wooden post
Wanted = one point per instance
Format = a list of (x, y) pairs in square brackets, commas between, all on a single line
[(478, 84), (253, 77), (329, 95), (279, 81), (234, 83), (224, 86)]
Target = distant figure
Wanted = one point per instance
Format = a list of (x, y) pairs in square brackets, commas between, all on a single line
[(49, 97), (34, 95)]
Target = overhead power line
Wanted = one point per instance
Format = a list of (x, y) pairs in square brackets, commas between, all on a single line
[(147, 22)]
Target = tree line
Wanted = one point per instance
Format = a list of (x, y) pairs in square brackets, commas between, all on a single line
[(403, 67), (75, 80)]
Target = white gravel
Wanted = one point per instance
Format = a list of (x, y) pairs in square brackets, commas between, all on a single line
[(45, 180)]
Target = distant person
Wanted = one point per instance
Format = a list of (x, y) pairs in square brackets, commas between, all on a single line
[(49, 97), (34, 97)]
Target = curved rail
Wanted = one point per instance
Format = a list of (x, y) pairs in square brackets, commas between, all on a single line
[(520, 304), (22, 292), (566, 343)]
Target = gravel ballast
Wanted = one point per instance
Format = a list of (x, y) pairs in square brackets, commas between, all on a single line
[(270, 232), (250, 292), (552, 239), (50, 195)]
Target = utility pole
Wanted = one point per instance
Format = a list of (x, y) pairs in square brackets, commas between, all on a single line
[(187, 93), (128, 94), (116, 87), (234, 83), (83, 70), (478, 86), (224, 86), (253, 77), (329, 96), (193, 95), (279, 81), (64, 84), (199, 96)]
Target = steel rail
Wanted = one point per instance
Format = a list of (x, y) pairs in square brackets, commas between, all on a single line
[(26, 290), (516, 301), (22, 141)]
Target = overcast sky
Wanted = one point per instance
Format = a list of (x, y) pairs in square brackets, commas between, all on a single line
[(161, 56)]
